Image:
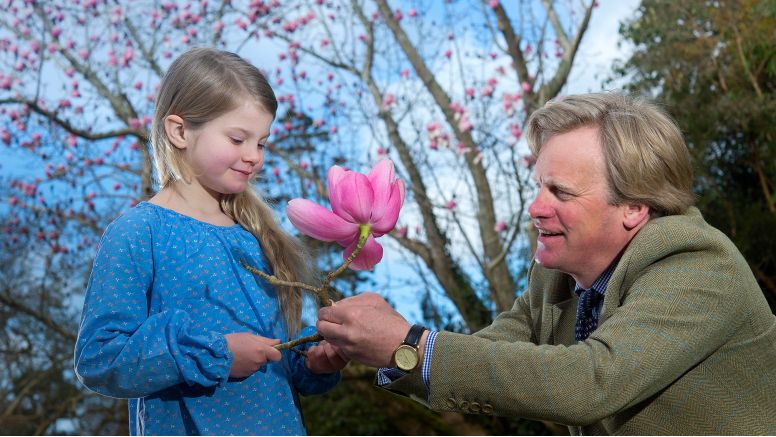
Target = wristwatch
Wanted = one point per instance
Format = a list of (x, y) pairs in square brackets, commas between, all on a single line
[(406, 355)]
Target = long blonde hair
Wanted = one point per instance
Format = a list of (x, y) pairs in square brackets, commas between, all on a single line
[(646, 158), (199, 86)]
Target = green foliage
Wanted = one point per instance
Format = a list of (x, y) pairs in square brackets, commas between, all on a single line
[(713, 65)]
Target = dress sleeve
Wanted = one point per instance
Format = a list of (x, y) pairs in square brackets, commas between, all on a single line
[(306, 382), (123, 351)]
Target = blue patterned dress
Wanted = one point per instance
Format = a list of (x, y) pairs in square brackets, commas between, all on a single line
[(164, 290)]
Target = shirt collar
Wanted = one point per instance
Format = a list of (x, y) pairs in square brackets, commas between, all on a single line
[(600, 284)]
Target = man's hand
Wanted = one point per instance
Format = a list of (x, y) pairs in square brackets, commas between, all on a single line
[(324, 358), (250, 352), (364, 328)]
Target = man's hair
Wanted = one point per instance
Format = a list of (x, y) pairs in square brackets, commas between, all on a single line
[(646, 158)]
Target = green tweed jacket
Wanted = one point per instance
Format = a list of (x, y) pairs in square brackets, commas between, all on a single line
[(686, 344)]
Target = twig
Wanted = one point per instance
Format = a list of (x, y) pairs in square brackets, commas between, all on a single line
[(322, 292)]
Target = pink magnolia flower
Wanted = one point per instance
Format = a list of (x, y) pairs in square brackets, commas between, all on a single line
[(359, 203)]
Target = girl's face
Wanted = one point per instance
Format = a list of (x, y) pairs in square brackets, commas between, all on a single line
[(227, 151)]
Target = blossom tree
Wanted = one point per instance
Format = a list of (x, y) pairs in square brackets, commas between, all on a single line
[(444, 90), (441, 88)]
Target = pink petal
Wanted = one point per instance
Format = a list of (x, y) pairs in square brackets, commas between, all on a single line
[(318, 222), (381, 179), (392, 208), (370, 254), (355, 196), (335, 176)]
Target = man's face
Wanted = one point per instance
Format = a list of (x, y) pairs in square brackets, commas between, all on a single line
[(580, 233)]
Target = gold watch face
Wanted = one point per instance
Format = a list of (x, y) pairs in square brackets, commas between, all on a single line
[(406, 357)]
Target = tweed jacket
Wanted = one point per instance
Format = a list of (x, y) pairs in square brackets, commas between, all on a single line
[(686, 344)]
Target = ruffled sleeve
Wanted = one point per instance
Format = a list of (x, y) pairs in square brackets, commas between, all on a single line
[(122, 350)]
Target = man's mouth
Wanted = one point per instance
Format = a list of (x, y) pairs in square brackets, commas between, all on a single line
[(549, 234)]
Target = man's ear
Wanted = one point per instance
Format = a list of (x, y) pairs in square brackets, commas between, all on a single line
[(635, 215), (176, 132)]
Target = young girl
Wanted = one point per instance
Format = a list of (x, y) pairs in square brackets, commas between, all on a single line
[(172, 320)]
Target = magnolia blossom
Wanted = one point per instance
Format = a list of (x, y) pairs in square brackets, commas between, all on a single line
[(359, 203)]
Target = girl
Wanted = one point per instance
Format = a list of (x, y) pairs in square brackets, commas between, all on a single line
[(172, 320)]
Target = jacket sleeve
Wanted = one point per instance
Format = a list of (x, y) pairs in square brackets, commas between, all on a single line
[(306, 382), (668, 322), (512, 325), (123, 351)]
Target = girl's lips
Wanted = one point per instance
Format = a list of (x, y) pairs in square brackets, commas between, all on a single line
[(246, 174)]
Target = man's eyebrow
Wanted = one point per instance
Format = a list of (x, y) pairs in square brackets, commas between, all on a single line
[(552, 183)]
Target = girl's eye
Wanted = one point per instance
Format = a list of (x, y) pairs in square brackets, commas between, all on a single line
[(262, 146), (236, 141)]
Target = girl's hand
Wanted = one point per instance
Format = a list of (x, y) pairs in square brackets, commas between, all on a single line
[(325, 358), (250, 352)]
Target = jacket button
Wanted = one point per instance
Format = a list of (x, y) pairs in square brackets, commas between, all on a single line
[(451, 403), (487, 409), (475, 407), (464, 405)]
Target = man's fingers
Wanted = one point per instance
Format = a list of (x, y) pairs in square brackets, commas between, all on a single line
[(332, 332), (330, 314)]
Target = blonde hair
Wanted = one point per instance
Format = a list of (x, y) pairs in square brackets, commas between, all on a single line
[(646, 158), (199, 86)]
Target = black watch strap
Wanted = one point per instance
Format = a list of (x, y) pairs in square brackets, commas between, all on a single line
[(413, 337)]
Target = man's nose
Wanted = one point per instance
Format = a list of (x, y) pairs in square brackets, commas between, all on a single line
[(539, 207)]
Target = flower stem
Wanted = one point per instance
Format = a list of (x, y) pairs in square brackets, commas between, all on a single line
[(302, 340), (322, 292), (363, 236)]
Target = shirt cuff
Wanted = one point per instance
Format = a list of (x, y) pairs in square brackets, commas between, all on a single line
[(387, 375)]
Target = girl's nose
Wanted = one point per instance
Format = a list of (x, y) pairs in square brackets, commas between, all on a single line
[(252, 155)]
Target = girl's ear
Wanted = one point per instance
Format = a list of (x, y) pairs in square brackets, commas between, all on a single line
[(173, 125), (635, 215)]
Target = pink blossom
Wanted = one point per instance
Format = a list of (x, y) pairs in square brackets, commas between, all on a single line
[(500, 226), (412, 12), (451, 204), (464, 124), (357, 201), (388, 100)]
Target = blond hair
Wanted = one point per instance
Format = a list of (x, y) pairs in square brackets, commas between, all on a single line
[(199, 86), (646, 158)]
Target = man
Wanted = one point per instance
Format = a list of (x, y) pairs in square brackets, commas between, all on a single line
[(639, 318)]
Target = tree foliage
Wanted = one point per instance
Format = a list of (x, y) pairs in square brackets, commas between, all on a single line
[(442, 88), (713, 64)]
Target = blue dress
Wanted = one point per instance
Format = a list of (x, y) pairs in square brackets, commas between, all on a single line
[(164, 290)]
